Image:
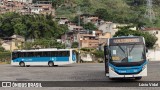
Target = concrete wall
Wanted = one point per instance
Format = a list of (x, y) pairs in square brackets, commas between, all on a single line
[(153, 55)]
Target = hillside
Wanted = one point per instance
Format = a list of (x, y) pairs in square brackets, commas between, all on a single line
[(121, 11)]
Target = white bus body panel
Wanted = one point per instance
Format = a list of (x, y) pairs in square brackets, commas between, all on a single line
[(40, 63)]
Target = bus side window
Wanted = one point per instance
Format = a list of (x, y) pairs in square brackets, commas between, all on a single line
[(63, 53), (67, 53), (46, 54), (59, 53), (25, 54), (22, 54), (30, 54), (38, 54), (14, 55), (53, 54)]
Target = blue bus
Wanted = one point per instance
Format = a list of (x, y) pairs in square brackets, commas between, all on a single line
[(125, 57), (48, 57)]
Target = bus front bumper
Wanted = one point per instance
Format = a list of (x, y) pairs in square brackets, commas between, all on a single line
[(113, 74)]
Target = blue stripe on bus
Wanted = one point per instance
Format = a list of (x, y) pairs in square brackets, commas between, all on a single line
[(42, 59), (127, 70)]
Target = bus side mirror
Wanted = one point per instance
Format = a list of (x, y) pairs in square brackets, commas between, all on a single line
[(146, 50), (106, 50)]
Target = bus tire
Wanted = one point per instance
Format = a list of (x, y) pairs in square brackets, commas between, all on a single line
[(81, 61), (50, 64), (22, 64), (138, 78), (111, 78), (27, 65)]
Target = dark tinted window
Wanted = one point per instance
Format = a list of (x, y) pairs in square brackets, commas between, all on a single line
[(30, 54), (38, 54), (23, 54), (64, 53), (46, 54), (14, 55), (53, 54)]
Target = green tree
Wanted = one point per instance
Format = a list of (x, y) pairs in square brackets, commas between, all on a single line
[(74, 45), (43, 43), (7, 24), (2, 49), (98, 53), (30, 26), (103, 14), (150, 39), (76, 20), (57, 3), (19, 29), (90, 26)]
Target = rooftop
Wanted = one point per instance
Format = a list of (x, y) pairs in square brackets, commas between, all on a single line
[(150, 29)]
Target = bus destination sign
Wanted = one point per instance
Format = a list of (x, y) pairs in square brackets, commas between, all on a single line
[(126, 40)]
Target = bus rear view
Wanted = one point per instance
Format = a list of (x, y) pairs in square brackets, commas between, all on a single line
[(125, 57)]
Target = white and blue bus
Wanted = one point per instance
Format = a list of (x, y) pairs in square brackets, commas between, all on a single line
[(125, 57), (48, 57)]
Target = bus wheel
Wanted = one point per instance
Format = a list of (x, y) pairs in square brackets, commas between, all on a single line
[(22, 64), (138, 78), (50, 64), (27, 65), (81, 61)]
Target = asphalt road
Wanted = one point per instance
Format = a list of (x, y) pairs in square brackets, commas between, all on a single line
[(72, 72)]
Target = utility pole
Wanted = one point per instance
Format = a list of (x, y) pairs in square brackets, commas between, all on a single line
[(149, 11), (79, 13)]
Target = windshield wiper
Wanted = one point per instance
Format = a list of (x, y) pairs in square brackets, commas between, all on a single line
[(121, 48), (132, 47)]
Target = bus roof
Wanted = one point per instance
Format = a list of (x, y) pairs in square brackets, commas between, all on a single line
[(47, 49)]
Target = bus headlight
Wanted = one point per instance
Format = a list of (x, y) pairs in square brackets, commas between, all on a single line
[(112, 68), (143, 67)]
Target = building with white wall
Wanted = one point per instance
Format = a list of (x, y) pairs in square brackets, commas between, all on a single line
[(156, 32), (112, 28), (24, 1)]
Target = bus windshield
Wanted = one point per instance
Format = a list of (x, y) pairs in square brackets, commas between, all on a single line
[(127, 53)]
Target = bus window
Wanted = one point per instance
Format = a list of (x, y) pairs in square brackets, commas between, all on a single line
[(63, 53), (53, 54), (25, 54), (59, 53), (67, 53), (21, 54), (30, 54), (46, 54), (14, 55), (74, 52), (38, 54)]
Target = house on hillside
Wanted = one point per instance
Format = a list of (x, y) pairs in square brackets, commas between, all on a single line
[(89, 41), (156, 32), (92, 19), (12, 43), (62, 20), (112, 28), (103, 40), (73, 26)]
